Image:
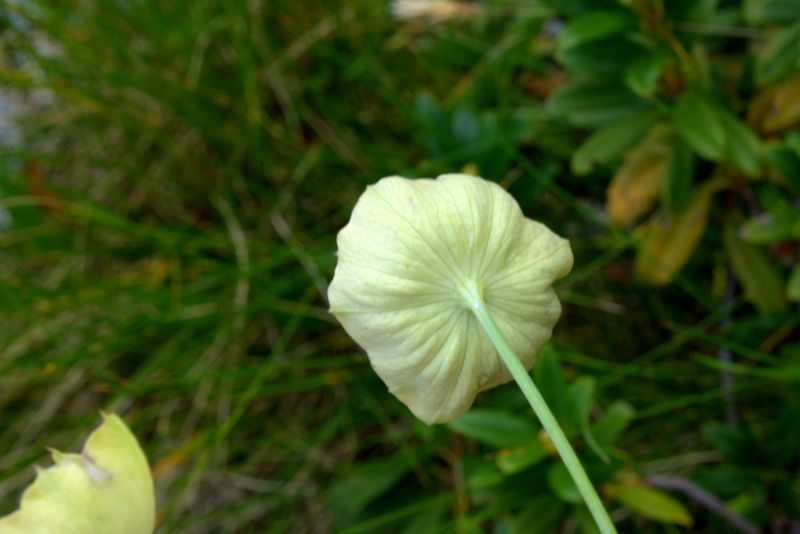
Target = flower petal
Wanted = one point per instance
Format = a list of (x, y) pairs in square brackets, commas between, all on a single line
[(105, 489)]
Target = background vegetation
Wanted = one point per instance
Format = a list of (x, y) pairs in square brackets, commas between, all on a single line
[(174, 179)]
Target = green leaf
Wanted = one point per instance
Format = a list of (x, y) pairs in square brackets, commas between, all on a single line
[(782, 445), (607, 143), (593, 26), (786, 494), (512, 461), (701, 11), (779, 57), (541, 513), (761, 11), (434, 124), (581, 398), (763, 286), (726, 481), (643, 73), (495, 428), (365, 483), (737, 446), (594, 104), (786, 161), (549, 378), (432, 517), (586, 522), (700, 125), (560, 481), (771, 227), (742, 145), (651, 503), (480, 474), (793, 286), (604, 58), (678, 179), (609, 427)]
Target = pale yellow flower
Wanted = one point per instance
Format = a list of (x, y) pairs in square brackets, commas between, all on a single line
[(107, 489), (415, 259), (434, 10)]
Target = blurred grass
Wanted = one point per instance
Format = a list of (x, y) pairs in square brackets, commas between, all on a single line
[(181, 171)]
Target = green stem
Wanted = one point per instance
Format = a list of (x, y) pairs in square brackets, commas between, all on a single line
[(546, 417)]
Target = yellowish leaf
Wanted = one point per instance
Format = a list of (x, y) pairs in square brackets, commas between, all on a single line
[(651, 503), (763, 286), (637, 183), (668, 243), (777, 108)]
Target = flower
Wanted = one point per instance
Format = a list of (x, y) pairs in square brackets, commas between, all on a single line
[(413, 262), (107, 489), (434, 10)]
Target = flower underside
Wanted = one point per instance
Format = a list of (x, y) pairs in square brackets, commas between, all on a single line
[(416, 258)]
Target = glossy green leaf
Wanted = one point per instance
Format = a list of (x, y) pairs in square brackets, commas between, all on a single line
[(763, 286), (726, 481), (737, 446), (786, 494), (700, 10), (540, 513), (586, 523), (793, 286), (581, 398), (495, 428), (782, 444), (605, 58), (480, 474), (593, 103), (607, 143), (742, 145), (433, 517), (700, 125), (593, 26), (434, 124), (761, 11), (678, 178), (580, 395), (643, 73), (786, 161), (365, 483), (549, 378), (771, 227), (560, 481), (651, 503), (610, 426), (778, 59), (512, 461)]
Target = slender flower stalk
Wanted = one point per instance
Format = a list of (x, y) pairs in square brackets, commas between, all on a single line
[(548, 420)]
